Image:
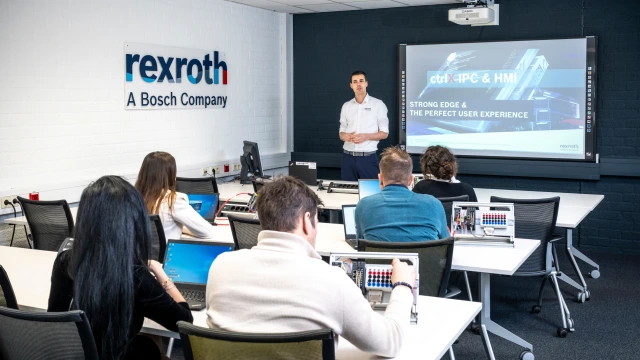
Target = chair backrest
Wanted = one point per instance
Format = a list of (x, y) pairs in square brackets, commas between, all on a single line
[(200, 344), (435, 258), (50, 222), (7, 296), (204, 185), (158, 239), (447, 204), (534, 219), (45, 336), (245, 232)]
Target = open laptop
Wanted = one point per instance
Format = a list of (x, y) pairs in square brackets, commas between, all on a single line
[(368, 187), (205, 204), (187, 264), (349, 220), (305, 171)]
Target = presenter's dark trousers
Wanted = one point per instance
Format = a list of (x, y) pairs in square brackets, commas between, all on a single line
[(359, 167)]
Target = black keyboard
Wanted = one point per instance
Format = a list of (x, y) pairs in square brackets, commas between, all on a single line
[(353, 243), (193, 295)]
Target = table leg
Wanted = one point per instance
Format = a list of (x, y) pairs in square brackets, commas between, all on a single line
[(485, 316), (170, 347), (570, 252)]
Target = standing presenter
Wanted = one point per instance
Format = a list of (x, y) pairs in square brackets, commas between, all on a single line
[(363, 123)]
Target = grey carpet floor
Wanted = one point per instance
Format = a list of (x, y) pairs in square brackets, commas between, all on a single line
[(607, 327)]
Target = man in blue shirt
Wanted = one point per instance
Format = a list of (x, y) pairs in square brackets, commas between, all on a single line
[(397, 213)]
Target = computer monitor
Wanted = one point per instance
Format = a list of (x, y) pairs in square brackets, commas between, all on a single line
[(368, 187), (250, 161), (349, 220)]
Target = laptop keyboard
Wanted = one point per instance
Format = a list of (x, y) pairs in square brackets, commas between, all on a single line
[(193, 295), (352, 242)]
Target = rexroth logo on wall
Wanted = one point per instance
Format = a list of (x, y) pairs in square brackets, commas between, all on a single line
[(164, 77)]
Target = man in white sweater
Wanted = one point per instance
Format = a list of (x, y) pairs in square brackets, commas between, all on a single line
[(282, 284)]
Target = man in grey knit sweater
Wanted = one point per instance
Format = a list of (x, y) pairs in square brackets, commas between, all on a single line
[(282, 284)]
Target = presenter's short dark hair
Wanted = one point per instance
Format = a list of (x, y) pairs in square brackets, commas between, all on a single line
[(358, 72), (282, 202), (439, 162), (396, 165)]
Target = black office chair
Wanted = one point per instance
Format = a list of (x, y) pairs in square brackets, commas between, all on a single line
[(435, 258), (447, 204), (205, 344), (244, 231), (45, 336), (204, 185), (50, 222), (7, 296), (536, 219), (67, 244), (158, 239)]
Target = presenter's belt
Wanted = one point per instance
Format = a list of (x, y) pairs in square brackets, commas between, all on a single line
[(355, 153)]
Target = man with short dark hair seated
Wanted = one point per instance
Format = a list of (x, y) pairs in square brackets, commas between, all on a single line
[(397, 213), (282, 285)]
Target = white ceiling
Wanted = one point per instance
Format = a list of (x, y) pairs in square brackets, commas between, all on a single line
[(311, 6)]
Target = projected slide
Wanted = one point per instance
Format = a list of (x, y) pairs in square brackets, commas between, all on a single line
[(530, 99)]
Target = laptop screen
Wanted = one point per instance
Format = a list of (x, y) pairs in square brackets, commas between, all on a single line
[(189, 261), (368, 187), (349, 217), (204, 204)]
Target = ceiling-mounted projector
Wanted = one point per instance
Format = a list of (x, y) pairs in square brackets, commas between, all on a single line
[(477, 13)]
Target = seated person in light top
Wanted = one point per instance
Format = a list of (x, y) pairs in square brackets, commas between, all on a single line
[(282, 285), (396, 213), (439, 167), (157, 184)]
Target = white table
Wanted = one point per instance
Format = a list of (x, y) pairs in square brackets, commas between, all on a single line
[(485, 260), (441, 321), (573, 209)]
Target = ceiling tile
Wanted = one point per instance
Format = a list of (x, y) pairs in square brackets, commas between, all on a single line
[(375, 4), (290, 9), (302, 2), (329, 7), (430, 2), (257, 3)]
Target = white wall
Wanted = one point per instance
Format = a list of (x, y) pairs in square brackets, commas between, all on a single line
[(62, 117)]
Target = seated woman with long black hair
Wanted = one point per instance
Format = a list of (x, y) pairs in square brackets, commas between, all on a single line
[(439, 168), (108, 275)]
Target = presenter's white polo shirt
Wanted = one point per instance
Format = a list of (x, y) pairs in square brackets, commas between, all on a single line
[(366, 118)]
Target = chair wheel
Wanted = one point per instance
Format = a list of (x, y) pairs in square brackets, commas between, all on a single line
[(571, 324), (562, 332), (582, 297), (535, 309), (594, 274), (527, 355), (588, 295), (475, 328)]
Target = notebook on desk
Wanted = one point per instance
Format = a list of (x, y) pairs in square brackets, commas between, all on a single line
[(187, 264), (205, 204), (349, 221)]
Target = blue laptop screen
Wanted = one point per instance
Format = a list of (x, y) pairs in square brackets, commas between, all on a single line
[(368, 187), (190, 263), (205, 204)]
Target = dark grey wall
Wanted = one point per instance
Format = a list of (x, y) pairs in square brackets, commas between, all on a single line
[(329, 46)]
